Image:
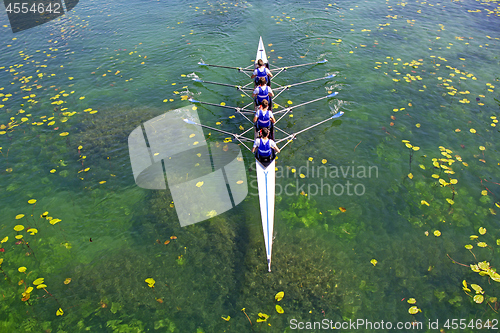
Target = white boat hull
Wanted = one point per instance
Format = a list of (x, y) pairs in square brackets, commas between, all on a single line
[(266, 185)]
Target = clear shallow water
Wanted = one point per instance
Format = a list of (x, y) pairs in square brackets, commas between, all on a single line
[(321, 256)]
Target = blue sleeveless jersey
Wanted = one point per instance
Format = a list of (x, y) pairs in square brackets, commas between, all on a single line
[(265, 148), (263, 94), (264, 119)]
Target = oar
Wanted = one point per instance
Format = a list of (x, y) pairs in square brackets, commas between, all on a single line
[(240, 69), (283, 88), (238, 137), (281, 69), (221, 106), (223, 84), (288, 109), (291, 137)]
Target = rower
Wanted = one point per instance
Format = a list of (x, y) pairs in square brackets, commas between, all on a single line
[(263, 92), (262, 71), (264, 118), (265, 149)]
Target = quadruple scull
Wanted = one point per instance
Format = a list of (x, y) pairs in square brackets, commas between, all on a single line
[(265, 173)]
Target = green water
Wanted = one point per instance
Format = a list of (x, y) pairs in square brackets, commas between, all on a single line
[(111, 234)]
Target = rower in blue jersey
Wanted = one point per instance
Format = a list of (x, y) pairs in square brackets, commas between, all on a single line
[(261, 71), (264, 118), (262, 92), (265, 149)]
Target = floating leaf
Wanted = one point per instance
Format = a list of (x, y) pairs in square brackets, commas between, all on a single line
[(38, 281), (451, 202), (342, 209), (482, 230), (412, 301), (279, 296), (18, 217), (477, 288), (150, 282), (59, 312), (423, 202), (199, 184), (32, 201), (374, 262), (263, 315), (498, 241), (479, 299), (260, 320), (19, 236), (29, 290), (484, 192), (19, 227), (482, 244), (64, 134), (474, 268), (472, 237), (413, 310), (227, 318), (6, 238), (464, 283), (472, 130), (41, 286), (410, 175), (32, 231), (468, 247), (324, 161), (279, 309), (21, 269), (67, 281), (437, 233), (482, 148)]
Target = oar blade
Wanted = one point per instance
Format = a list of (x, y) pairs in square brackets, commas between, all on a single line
[(338, 115), (330, 76), (190, 122), (193, 100), (322, 61), (333, 94), (202, 64), (198, 80)]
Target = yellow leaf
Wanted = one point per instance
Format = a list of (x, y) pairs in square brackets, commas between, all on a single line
[(289, 102), (482, 244), (453, 181), (22, 269), (226, 319), (423, 202), (6, 238), (464, 283), (150, 282), (482, 148), (484, 192), (408, 145), (279, 309), (19, 236), (32, 231), (342, 209), (410, 175), (479, 299), (482, 230), (222, 103), (412, 301), (415, 148), (451, 202), (38, 281), (468, 247), (54, 221), (263, 315), (374, 262), (472, 130), (32, 201), (279, 296), (199, 184), (437, 233), (64, 134), (83, 97), (59, 312), (67, 281), (19, 227), (29, 290), (18, 217), (260, 320), (413, 310), (324, 161)]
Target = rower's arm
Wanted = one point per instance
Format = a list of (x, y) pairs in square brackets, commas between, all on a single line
[(256, 117), (273, 120)]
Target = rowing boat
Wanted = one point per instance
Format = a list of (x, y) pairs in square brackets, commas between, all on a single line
[(265, 173)]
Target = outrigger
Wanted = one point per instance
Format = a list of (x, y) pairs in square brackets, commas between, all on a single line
[(265, 173)]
